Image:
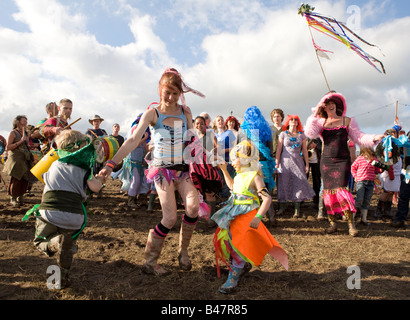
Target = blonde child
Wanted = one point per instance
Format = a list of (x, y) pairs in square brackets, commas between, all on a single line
[(61, 216), (364, 174), (240, 236)]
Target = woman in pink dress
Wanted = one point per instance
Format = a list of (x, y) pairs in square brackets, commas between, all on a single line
[(330, 123)]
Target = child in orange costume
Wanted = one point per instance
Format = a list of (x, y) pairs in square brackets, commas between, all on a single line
[(240, 236)]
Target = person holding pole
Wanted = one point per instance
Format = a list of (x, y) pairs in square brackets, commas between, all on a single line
[(53, 126)]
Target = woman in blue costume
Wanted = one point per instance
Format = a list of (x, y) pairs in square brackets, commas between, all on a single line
[(240, 236), (255, 128)]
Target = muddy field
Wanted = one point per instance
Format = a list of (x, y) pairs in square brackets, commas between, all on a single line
[(110, 256)]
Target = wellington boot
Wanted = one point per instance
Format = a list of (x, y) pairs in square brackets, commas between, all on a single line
[(332, 228), (271, 216), (151, 200), (131, 202), (387, 215), (321, 210), (20, 200), (352, 229), (380, 209), (66, 252), (363, 219), (297, 215), (14, 202), (350, 220), (332, 221), (54, 245), (233, 279), (185, 236), (142, 200), (282, 208), (65, 279), (152, 252)]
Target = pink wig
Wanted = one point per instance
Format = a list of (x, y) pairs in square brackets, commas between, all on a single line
[(338, 99)]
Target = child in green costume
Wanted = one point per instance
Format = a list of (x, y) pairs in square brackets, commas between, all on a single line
[(241, 237), (61, 216)]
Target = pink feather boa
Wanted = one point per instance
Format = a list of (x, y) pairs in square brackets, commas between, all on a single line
[(314, 128)]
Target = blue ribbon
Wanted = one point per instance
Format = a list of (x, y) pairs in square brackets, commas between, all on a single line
[(402, 141)]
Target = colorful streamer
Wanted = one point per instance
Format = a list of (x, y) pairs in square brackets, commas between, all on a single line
[(337, 31)]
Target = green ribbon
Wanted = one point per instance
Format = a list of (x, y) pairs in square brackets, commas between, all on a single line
[(35, 210)]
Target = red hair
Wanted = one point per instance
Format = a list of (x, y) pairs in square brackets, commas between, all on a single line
[(232, 118), (290, 117)]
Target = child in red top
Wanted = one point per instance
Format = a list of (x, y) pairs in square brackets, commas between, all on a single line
[(364, 173)]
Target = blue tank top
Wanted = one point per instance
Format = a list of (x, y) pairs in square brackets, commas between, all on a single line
[(168, 140)]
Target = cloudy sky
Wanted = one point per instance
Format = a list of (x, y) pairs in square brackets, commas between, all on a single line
[(108, 55)]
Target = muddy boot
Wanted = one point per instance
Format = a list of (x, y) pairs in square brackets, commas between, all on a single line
[(53, 246), (379, 210), (20, 200), (152, 252), (387, 215), (321, 210), (131, 202), (185, 236), (232, 282), (350, 221), (297, 215), (65, 279), (66, 253), (363, 217), (142, 200), (271, 216), (151, 202), (332, 221), (282, 208), (14, 202)]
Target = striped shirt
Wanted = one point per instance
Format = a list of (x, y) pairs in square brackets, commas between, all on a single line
[(362, 169)]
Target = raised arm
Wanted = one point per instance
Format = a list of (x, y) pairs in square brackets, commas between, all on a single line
[(131, 143), (363, 139)]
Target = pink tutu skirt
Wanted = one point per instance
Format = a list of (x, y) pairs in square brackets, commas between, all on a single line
[(337, 201)]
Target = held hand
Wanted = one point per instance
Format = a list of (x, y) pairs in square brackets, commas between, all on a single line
[(378, 137), (57, 130), (255, 223), (105, 172), (100, 177)]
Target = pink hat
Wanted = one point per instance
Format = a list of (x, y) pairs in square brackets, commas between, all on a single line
[(337, 98)]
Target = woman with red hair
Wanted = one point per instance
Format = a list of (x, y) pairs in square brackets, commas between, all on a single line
[(232, 124), (168, 122), (293, 185)]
